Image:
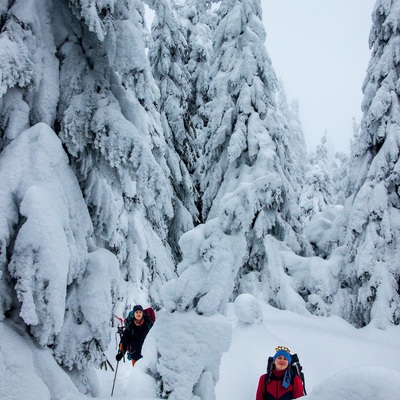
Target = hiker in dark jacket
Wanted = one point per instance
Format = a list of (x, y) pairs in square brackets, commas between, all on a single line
[(134, 335), (278, 384)]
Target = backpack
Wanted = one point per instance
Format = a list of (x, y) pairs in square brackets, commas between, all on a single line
[(295, 368), (147, 311)]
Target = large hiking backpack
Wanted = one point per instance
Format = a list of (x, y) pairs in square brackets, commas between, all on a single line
[(147, 311), (296, 369)]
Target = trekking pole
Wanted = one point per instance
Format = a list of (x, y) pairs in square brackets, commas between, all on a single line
[(115, 377)]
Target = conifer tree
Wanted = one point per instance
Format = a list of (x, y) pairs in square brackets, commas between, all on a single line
[(317, 190), (293, 141), (291, 151), (245, 124), (46, 235), (168, 60), (111, 128), (370, 277), (340, 177), (246, 195), (199, 22), (237, 59)]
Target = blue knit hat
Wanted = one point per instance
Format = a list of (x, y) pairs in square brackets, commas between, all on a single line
[(138, 307), (283, 351)]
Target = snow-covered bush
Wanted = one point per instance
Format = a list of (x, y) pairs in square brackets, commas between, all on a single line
[(189, 348), (248, 309), (319, 233)]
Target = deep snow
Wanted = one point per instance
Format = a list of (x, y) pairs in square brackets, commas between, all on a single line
[(339, 361)]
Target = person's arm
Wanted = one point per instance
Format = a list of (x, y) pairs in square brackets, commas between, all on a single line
[(260, 388), (123, 345), (297, 388), (126, 339)]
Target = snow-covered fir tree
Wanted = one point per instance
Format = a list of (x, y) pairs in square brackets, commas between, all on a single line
[(82, 71), (317, 190), (242, 166), (50, 270), (112, 130), (168, 60), (246, 197), (370, 276), (199, 21), (291, 151), (295, 153), (340, 177)]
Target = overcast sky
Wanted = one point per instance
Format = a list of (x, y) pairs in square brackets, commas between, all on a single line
[(320, 50)]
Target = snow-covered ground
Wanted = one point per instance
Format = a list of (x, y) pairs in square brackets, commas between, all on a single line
[(339, 361)]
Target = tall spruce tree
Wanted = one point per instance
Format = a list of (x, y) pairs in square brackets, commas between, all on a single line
[(317, 191), (291, 151), (110, 126), (370, 277), (168, 60), (246, 196), (293, 141), (198, 21), (238, 58), (340, 177)]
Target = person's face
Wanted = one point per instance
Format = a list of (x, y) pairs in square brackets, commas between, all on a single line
[(138, 314), (281, 363)]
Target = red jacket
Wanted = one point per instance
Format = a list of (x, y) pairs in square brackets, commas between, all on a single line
[(274, 390)]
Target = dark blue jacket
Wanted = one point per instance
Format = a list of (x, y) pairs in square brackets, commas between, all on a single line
[(134, 336)]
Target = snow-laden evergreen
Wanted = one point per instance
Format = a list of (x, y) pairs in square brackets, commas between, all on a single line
[(370, 276), (57, 71), (168, 60), (199, 21), (237, 248), (29, 68), (44, 224), (340, 177), (241, 80), (48, 264), (249, 194), (291, 150), (317, 191), (293, 142), (112, 129)]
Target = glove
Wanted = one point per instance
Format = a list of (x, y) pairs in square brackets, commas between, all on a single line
[(119, 356)]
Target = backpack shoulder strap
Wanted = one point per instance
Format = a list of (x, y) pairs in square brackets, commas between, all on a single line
[(297, 369)]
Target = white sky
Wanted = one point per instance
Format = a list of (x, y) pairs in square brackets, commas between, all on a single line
[(320, 50)]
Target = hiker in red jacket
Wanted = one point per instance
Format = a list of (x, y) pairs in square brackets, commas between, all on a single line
[(278, 383), (134, 335)]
